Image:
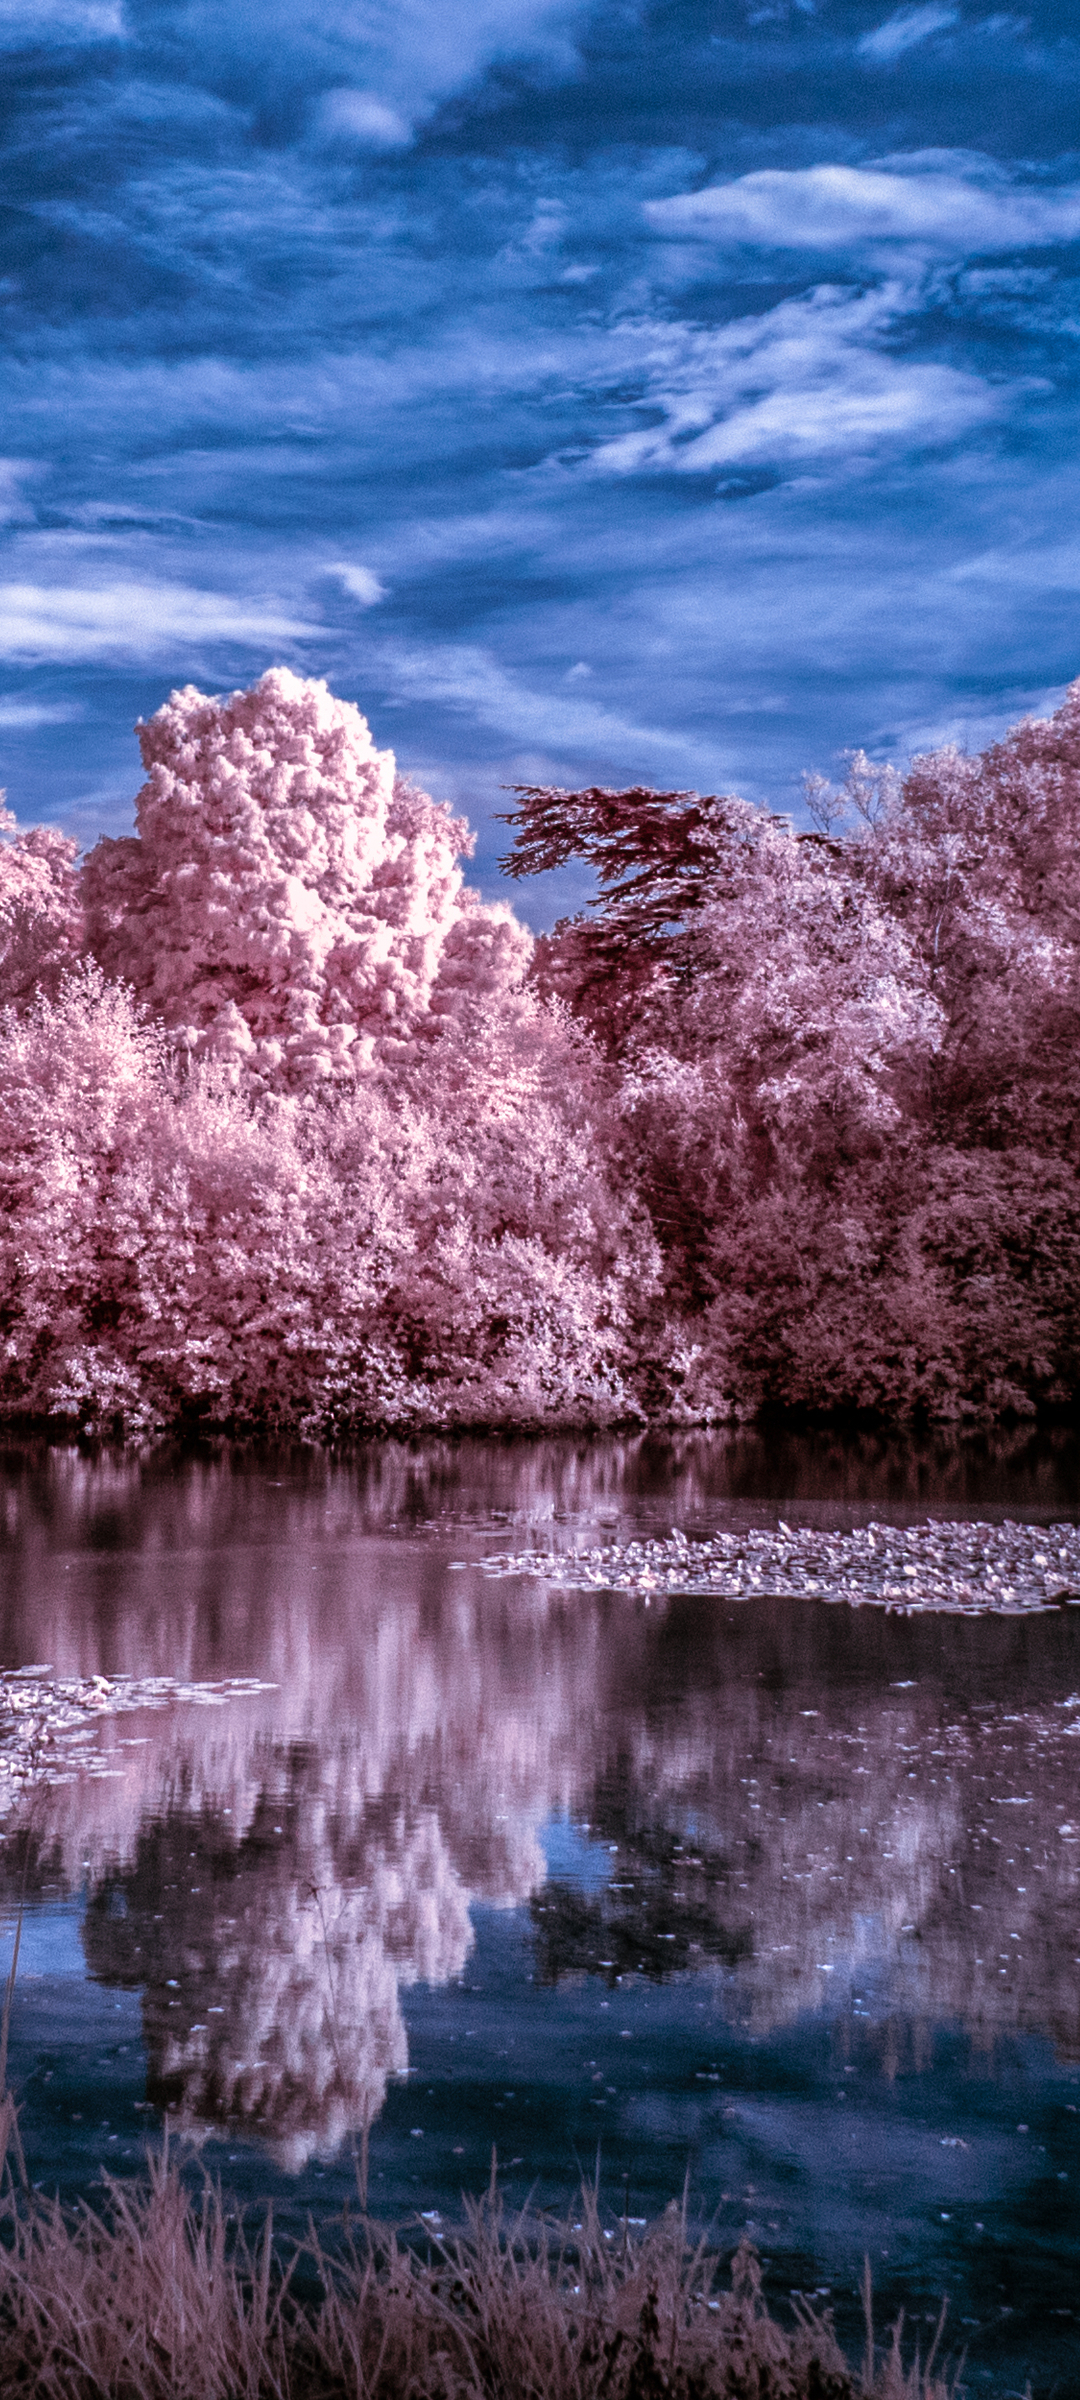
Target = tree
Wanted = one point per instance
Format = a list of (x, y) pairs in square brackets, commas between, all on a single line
[(812, 1037), (288, 906), (976, 862), (41, 918), (766, 1017), (297, 1133), (658, 858)]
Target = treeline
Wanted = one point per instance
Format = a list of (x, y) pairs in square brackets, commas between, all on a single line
[(297, 1134)]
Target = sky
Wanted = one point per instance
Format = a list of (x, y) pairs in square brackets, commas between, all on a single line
[(679, 393)]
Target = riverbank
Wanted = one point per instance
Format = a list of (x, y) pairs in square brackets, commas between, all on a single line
[(160, 2295)]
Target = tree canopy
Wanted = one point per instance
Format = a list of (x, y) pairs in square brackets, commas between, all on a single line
[(297, 1132)]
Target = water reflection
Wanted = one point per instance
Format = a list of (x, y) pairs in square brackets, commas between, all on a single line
[(271, 1960), (802, 1809), (899, 1856), (168, 1502)]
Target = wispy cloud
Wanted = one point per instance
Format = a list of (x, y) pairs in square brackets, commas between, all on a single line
[(1042, 567), (25, 22), (399, 56), (129, 620), (15, 508), (471, 680), (904, 30), (23, 713), (844, 208), (803, 382)]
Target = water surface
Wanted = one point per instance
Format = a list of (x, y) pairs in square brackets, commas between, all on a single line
[(781, 1897)]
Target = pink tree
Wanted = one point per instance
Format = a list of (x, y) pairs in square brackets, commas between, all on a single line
[(314, 1139), (975, 859), (288, 906), (41, 917), (168, 1255), (319, 1158), (848, 1066)]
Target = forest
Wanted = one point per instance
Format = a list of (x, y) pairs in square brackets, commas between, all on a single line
[(299, 1136)]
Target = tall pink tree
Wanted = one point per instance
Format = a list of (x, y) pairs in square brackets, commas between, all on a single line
[(298, 1147), (288, 906)]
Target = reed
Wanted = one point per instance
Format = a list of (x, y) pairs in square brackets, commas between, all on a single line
[(159, 2295)]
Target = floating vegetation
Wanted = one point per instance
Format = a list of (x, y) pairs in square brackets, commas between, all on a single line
[(48, 1722), (964, 1569)]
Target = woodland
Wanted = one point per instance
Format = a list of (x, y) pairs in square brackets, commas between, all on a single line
[(299, 1136)]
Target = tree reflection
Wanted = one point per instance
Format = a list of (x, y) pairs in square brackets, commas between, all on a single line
[(271, 1963), (271, 1936), (809, 1808)]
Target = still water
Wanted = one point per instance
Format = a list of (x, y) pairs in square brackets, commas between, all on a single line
[(780, 1899)]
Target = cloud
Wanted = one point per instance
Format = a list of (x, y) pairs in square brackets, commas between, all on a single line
[(392, 60), (361, 121), (467, 678), (805, 381), (16, 712), (127, 619), (903, 31), (879, 402), (841, 208), (360, 584), (15, 509), (26, 23), (1050, 566)]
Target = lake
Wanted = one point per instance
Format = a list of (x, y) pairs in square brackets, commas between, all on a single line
[(777, 1900)]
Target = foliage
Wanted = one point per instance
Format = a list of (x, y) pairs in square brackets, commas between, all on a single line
[(296, 1132), (176, 1254), (286, 902), (847, 1064), (41, 924), (159, 2297)]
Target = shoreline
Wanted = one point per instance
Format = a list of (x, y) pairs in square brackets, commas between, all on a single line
[(164, 2294)]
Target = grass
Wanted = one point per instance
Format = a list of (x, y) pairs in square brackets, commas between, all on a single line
[(158, 2296)]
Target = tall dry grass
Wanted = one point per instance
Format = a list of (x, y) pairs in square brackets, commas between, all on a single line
[(158, 2295)]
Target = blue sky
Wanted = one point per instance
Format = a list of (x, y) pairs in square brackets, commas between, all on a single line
[(678, 392)]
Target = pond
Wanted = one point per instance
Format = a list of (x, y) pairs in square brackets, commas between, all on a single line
[(776, 1899)]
